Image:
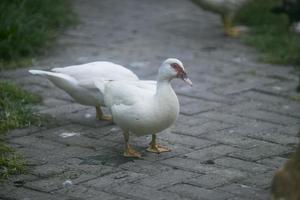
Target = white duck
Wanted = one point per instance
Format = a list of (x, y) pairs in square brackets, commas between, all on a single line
[(78, 81), (227, 9), (141, 107)]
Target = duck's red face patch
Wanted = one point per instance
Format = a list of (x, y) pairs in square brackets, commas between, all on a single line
[(180, 72)]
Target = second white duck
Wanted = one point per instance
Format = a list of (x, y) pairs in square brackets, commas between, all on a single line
[(141, 107), (78, 81)]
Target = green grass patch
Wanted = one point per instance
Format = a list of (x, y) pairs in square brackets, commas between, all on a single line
[(15, 112), (270, 33), (26, 26)]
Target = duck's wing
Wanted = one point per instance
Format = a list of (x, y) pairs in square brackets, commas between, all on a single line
[(100, 70), (126, 93), (60, 80), (147, 85)]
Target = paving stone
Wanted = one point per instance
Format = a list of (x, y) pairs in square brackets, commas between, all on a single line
[(275, 136), (189, 121), (228, 118), (166, 178), (292, 130), (63, 110), (206, 95), (270, 117), (56, 155), (263, 97), (20, 180), (198, 106), (143, 192), (57, 182), (198, 167), (258, 126), (281, 88), (82, 192), (250, 78), (37, 143), (210, 181), (229, 137), (75, 135), (52, 102), (203, 128), (176, 150), (193, 192), (22, 132), (246, 191), (250, 130), (234, 88), (8, 192), (211, 152), (192, 142), (88, 167), (190, 165), (47, 170), (260, 152), (240, 107), (145, 167), (262, 181), (284, 108), (114, 179), (274, 162), (241, 165)]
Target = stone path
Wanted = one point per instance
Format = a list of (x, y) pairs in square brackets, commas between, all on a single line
[(237, 124)]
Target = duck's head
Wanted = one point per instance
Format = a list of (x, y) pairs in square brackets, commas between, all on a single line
[(173, 68)]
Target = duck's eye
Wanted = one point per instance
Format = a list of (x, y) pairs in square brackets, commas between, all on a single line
[(177, 68)]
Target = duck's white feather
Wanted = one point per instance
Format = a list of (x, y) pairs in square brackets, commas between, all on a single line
[(78, 91), (78, 80), (221, 6), (138, 107), (98, 70)]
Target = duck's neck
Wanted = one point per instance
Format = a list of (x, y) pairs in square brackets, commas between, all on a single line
[(164, 88)]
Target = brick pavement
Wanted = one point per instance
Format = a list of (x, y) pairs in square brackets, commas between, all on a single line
[(237, 125)]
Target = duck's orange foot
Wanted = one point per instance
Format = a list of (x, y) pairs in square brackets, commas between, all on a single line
[(131, 153), (158, 148)]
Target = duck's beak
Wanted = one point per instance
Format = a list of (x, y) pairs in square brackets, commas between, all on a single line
[(182, 75), (188, 81)]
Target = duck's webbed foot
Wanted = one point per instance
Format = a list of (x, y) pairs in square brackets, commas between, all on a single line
[(230, 30), (156, 148), (131, 153), (101, 116)]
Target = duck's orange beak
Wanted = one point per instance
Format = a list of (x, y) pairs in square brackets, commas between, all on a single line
[(187, 80)]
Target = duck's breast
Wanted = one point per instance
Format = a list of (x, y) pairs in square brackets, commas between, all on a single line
[(146, 117)]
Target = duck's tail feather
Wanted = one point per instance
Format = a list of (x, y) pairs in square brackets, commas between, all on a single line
[(57, 79)]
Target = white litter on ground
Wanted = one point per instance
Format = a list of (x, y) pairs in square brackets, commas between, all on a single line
[(67, 183), (69, 134), (277, 88), (87, 115)]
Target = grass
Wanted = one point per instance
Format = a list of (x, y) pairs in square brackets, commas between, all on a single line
[(15, 112), (27, 26), (270, 33)]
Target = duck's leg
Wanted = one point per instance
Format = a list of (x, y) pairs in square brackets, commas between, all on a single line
[(156, 148), (228, 26), (129, 152), (101, 116)]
